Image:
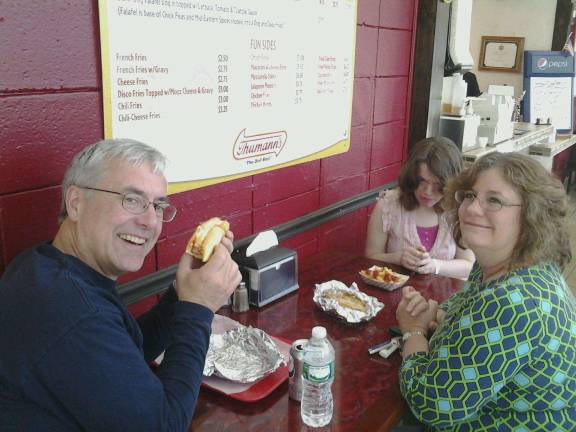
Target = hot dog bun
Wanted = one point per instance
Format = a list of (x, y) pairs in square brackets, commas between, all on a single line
[(206, 237)]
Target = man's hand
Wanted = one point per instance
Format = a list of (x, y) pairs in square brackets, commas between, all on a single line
[(214, 282), (228, 241)]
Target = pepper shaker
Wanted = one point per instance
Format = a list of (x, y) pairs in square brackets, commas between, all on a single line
[(240, 301)]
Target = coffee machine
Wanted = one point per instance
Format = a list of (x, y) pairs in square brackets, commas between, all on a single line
[(457, 121)]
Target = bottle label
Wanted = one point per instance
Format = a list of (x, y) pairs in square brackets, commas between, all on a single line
[(318, 374)]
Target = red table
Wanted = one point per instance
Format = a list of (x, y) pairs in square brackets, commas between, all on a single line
[(365, 389)]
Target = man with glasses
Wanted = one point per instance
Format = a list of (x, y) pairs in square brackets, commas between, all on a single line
[(73, 358)]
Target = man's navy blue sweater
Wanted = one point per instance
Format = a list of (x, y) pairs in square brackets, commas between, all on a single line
[(73, 358)]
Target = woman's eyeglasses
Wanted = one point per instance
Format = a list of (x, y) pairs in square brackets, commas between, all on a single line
[(491, 203), (137, 204)]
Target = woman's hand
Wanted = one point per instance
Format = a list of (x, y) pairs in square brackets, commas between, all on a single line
[(415, 312), (440, 315)]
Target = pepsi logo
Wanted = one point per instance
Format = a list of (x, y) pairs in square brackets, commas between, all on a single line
[(542, 63)]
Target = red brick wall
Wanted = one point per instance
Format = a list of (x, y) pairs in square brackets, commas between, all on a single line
[(51, 107)]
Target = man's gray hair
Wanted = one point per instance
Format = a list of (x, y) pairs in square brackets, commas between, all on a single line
[(87, 167)]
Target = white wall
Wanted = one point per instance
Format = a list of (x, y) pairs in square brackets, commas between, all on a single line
[(531, 19)]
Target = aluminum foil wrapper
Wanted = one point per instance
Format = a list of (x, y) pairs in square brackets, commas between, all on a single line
[(326, 298), (243, 354)]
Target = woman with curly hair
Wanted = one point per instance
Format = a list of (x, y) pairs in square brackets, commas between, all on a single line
[(503, 356)]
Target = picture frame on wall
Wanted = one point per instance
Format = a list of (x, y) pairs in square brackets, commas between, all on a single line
[(501, 53)]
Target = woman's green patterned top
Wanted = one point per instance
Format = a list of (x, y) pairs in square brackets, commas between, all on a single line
[(503, 359)]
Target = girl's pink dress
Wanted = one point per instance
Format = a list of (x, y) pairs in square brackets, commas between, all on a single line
[(402, 232)]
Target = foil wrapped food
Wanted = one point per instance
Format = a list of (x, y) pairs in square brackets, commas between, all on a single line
[(243, 354), (346, 302)]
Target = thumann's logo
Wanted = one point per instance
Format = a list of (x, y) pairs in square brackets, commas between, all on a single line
[(252, 146)]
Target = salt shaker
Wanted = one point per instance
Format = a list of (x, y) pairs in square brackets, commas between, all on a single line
[(240, 301)]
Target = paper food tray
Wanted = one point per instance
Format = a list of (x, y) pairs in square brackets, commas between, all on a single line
[(384, 285)]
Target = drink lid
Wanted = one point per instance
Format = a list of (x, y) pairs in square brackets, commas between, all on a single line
[(318, 332)]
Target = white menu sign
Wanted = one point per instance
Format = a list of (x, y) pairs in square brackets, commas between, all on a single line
[(551, 98), (229, 88)]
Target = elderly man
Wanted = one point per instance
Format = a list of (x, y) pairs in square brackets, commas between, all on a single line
[(73, 358)]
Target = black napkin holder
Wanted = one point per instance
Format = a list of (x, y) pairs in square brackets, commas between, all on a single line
[(269, 274)]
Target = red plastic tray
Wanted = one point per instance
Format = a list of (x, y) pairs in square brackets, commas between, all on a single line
[(257, 390)]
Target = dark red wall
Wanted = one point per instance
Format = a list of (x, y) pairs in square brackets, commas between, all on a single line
[(51, 107)]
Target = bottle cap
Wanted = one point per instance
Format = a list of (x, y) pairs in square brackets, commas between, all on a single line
[(318, 332)]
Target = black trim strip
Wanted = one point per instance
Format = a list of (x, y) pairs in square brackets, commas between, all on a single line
[(156, 283)]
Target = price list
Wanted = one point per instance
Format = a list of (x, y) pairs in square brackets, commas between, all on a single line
[(223, 70), (234, 87), (299, 91)]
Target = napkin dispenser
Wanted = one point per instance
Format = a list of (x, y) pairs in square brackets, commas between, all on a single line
[(269, 274)]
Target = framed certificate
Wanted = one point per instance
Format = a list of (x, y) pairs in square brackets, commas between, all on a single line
[(501, 53)]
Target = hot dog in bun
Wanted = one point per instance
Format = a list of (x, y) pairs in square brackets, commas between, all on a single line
[(206, 237)]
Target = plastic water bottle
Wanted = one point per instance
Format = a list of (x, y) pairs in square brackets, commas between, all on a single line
[(317, 377)]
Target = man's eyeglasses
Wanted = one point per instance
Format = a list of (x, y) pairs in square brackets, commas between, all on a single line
[(491, 203), (137, 204)]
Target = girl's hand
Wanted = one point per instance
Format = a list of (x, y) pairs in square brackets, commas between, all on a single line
[(412, 258), (427, 266)]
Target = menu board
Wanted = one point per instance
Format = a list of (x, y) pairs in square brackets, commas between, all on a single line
[(551, 98), (225, 88)]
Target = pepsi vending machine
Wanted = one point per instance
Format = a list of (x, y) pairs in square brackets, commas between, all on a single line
[(548, 82)]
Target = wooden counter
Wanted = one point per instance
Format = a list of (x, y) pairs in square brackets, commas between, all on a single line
[(365, 389)]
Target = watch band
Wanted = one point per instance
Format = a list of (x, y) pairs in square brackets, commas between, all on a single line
[(407, 335)]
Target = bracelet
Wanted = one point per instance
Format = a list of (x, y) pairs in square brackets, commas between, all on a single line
[(407, 335)]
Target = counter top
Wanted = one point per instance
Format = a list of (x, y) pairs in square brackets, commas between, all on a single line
[(526, 135), (366, 392), (561, 143)]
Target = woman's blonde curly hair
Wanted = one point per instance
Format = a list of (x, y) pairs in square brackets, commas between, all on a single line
[(543, 235)]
